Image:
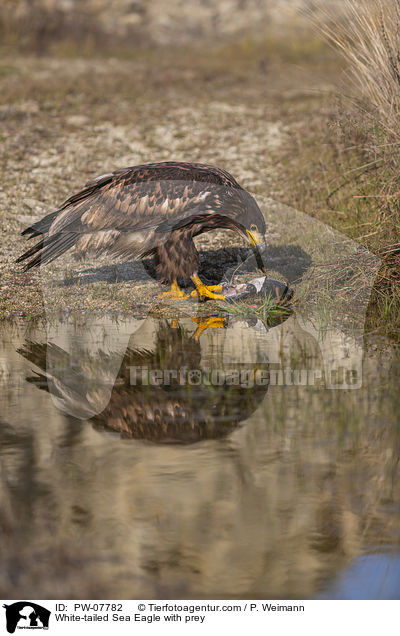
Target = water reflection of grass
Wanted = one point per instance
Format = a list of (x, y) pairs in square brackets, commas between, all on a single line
[(269, 311)]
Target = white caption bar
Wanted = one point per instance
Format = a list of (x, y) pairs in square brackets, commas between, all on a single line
[(141, 617)]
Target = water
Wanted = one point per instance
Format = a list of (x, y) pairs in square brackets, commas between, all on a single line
[(370, 577), (154, 459)]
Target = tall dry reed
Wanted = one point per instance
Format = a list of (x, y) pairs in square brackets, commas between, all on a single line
[(367, 34)]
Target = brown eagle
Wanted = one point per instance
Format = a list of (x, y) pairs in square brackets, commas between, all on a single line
[(173, 411), (150, 210)]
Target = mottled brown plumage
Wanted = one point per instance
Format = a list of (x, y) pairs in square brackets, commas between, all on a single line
[(173, 412), (148, 210)]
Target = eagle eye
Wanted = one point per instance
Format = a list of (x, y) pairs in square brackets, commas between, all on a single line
[(253, 228)]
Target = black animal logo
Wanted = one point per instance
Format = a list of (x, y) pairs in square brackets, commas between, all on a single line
[(26, 614)]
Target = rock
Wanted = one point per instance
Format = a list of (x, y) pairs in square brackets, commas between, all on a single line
[(33, 204), (77, 120)]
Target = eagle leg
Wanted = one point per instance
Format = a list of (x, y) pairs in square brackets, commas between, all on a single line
[(174, 292), (202, 325), (204, 291)]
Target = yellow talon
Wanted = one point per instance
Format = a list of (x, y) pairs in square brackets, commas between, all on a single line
[(203, 324), (174, 292), (204, 291), (211, 288)]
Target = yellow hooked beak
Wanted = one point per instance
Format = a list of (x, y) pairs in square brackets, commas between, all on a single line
[(255, 238)]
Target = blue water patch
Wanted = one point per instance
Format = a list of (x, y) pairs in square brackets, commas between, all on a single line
[(371, 577)]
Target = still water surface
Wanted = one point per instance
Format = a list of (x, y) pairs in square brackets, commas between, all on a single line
[(154, 459)]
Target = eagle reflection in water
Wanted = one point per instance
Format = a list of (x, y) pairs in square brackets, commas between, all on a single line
[(164, 395)]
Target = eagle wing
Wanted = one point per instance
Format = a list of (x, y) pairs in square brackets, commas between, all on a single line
[(125, 210)]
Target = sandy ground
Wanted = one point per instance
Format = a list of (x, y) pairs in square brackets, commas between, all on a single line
[(65, 121)]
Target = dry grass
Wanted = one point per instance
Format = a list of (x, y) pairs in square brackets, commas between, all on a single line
[(369, 40), (349, 174)]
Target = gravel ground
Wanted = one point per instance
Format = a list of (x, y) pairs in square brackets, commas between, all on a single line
[(65, 121)]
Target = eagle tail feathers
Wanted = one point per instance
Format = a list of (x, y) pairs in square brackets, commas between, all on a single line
[(42, 226), (48, 249)]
